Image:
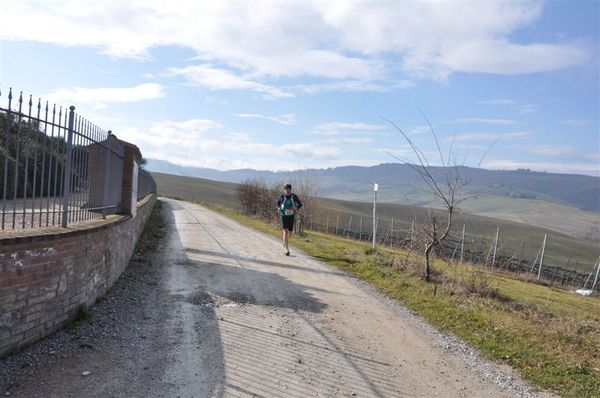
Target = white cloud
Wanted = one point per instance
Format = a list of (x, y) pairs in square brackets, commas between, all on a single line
[(361, 42), (212, 78), (205, 143), (419, 130), (592, 156), (355, 86), (99, 97), (337, 128), (214, 101), (498, 102), (520, 108), (489, 136), (309, 150), (553, 167), (402, 153), (483, 56), (486, 121), (527, 108), (349, 141), (470, 146), (577, 122), (552, 150), (286, 119)]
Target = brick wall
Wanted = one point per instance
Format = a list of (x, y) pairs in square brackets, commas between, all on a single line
[(45, 278)]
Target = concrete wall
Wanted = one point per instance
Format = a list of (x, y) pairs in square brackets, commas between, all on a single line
[(45, 277)]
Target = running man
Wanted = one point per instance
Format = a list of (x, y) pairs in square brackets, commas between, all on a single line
[(287, 205)]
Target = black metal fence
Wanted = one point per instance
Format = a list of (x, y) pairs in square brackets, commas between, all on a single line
[(57, 168)]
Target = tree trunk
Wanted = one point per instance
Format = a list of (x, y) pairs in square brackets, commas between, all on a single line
[(427, 266)]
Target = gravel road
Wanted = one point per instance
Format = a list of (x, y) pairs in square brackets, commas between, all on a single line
[(219, 311)]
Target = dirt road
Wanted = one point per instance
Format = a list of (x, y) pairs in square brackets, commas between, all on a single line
[(225, 313)]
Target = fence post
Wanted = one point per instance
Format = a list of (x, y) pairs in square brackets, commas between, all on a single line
[(375, 189), (337, 223), (5, 177), (462, 244), (535, 261), (67, 170), (327, 226), (569, 259), (495, 246), (348, 228), (360, 229), (597, 272), (106, 173), (542, 257)]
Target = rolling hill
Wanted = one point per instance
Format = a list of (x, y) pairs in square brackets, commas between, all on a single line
[(564, 203), (516, 238)]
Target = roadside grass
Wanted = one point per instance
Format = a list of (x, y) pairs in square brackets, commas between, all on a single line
[(154, 230), (551, 336)]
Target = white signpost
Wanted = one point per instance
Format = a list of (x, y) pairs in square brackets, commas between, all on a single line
[(375, 189)]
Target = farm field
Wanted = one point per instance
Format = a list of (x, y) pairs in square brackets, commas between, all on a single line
[(516, 239)]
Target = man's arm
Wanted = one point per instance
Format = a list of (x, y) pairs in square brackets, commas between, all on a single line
[(297, 201)]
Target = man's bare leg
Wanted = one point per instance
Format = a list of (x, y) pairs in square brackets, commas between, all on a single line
[(286, 240)]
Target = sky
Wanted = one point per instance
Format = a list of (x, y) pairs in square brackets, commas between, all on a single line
[(291, 85)]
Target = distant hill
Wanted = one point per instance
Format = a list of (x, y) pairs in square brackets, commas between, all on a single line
[(518, 239), (399, 183)]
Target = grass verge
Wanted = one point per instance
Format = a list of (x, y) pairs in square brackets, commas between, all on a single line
[(551, 336), (154, 230)]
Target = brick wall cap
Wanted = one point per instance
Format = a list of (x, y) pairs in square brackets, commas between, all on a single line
[(9, 238)]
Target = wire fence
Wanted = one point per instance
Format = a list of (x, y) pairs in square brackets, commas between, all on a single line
[(460, 247), (56, 167)]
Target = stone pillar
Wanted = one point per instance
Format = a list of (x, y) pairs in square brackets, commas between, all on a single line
[(131, 154)]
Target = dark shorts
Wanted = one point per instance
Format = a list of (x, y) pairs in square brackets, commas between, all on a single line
[(288, 222)]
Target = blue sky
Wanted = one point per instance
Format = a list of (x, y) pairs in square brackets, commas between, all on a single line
[(290, 85)]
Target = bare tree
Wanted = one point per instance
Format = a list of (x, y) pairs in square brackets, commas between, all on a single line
[(258, 198), (306, 187), (445, 186)]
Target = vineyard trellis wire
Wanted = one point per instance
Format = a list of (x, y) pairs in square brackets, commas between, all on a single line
[(477, 251)]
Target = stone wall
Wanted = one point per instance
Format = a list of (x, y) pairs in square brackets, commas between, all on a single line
[(45, 277)]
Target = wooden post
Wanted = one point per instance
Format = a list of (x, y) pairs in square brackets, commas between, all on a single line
[(462, 244), (569, 260), (597, 272), (360, 230), (542, 257), (495, 246), (348, 228)]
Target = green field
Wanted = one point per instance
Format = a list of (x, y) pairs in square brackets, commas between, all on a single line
[(196, 189), (515, 238)]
